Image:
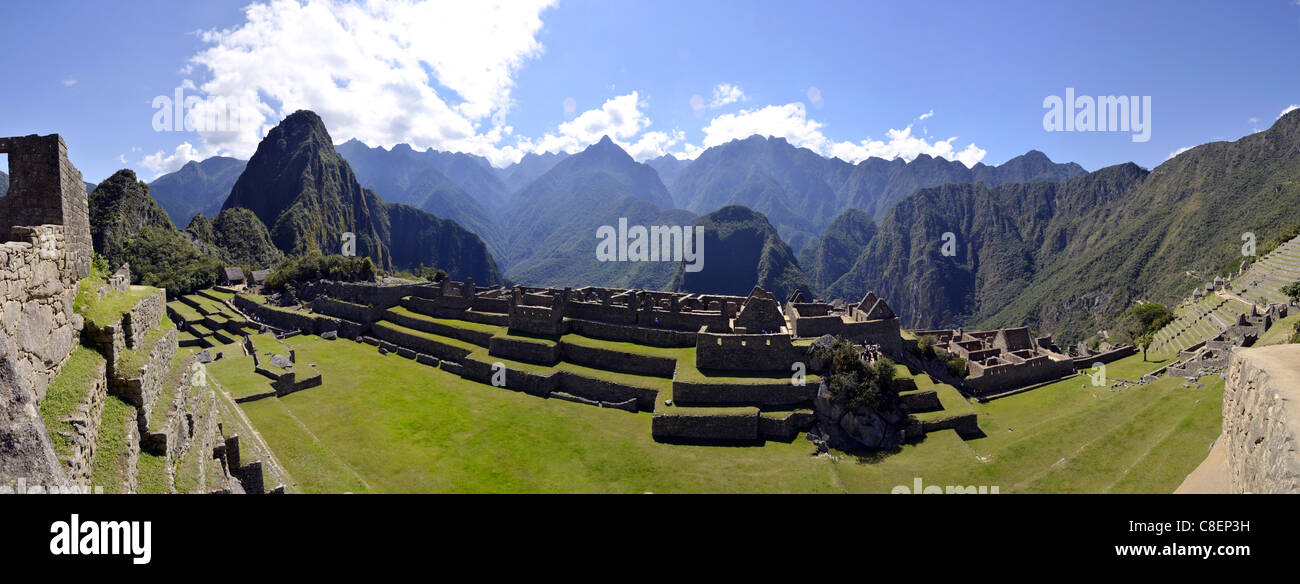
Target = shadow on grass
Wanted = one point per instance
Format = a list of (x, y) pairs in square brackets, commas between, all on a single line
[(703, 442)]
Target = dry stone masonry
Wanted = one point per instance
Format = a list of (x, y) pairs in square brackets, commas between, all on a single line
[(1261, 419)]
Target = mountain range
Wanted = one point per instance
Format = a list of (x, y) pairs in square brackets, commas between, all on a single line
[(1035, 242), (1070, 257), (307, 195)]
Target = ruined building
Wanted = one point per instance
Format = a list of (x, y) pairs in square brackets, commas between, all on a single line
[(1003, 359), (129, 353)]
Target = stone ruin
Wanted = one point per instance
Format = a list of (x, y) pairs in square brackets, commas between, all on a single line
[(1211, 356), (45, 227), (1003, 359), (46, 250)]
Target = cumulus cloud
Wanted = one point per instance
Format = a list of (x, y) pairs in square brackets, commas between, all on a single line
[(161, 162), (430, 74), (791, 121), (1289, 108), (726, 94), (1175, 153), (620, 118)]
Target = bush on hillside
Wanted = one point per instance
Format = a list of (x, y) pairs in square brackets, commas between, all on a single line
[(317, 266), (164, 258)]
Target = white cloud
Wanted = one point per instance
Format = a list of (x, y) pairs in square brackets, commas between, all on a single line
[(653, 144), (68, 82), (620, 118), (791, 121), (726, 94), (925, 116), (1178, 151), (430, 74), (161, 163), (1253, 121), (1288, 109), (570, 105)]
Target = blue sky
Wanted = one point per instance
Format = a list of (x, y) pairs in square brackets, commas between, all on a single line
[(851, 79)]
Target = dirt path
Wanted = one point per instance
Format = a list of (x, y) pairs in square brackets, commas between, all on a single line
[(256, 436), (1230, 296), (1212, 474)]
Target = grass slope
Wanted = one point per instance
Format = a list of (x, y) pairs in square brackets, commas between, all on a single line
[(398, 426)]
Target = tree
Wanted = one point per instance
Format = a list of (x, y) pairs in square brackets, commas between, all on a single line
[(1144, 341), (1150, 317), (1292, 291)]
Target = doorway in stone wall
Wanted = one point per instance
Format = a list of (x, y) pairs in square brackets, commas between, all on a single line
[(4, 173)]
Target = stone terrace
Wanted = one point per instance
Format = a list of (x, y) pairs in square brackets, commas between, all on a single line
[(709, 367)]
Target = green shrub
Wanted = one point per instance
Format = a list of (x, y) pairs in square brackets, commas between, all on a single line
[(864, 386), (317, 266), (166, 259), (925, 345), (957, 366)]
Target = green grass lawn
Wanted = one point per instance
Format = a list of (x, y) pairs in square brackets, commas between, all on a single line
[(185, 311), (235, 372), (108, 310), (69, 389), (405, 427), (109, 469)]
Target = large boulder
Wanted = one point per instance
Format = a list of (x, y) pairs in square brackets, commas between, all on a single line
[(845, 428)]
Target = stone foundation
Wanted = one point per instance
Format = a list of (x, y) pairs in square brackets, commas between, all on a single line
[(1261, 419)]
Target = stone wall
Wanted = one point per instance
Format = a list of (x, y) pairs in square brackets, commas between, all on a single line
[(747, 352), (358, 313), (765, 394), (38, 282), (143, 317), (1008, 376), (617, 361), (85, 430), (366, 293), (735, 425), (1261, 419), (142, 386), (419, 344), (46, 189), (632, 334)]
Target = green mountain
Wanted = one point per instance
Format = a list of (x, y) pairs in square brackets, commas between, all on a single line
[(802, 192), (1069, 258), (837, 248), (128, 226), (236, 237), (302, 188), (198, 187), (741, 249), (119, 207), (473, 198), (554, 219)]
